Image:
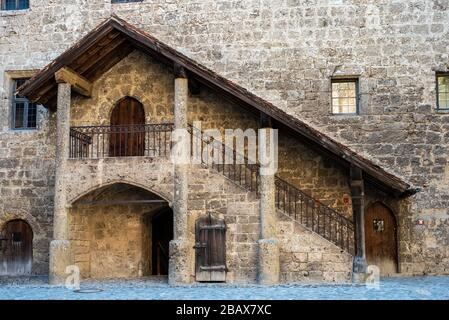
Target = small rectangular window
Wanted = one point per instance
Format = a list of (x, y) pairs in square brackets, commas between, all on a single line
[(125, 1), (24, 113), (15, 4), (345, 98), (443, 91)]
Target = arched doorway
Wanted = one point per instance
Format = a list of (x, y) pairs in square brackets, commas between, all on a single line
[(119, 229), (162, 234), (381, 239), (127, 136), (16, 251)]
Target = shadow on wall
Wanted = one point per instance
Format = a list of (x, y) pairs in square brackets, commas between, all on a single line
[(121, 231)]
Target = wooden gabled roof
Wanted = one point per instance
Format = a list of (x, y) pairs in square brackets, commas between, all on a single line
[(114, 39)]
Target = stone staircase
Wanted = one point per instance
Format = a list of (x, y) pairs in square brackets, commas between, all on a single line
[(292, 202)]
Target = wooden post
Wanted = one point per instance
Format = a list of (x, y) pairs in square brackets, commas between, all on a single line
[(358, 209)]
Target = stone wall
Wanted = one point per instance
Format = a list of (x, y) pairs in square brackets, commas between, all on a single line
[(285, 51), (27, 179), (111, 241), (307, 257)]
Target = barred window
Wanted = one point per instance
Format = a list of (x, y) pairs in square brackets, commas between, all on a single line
[(345, 96), (15, 4), (24, 113), (443, 91)]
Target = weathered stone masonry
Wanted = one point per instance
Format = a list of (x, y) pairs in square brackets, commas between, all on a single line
[(285, 51)]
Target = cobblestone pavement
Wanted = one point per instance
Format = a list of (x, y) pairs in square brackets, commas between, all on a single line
[(429, 287)]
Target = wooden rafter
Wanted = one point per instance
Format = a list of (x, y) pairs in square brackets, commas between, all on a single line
[(78, 82)]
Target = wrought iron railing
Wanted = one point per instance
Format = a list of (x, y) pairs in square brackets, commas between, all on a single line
[(315, 215), (121, 141), (309, 212), (231, 164)]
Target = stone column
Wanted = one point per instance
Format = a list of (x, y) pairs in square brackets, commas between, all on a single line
[(358, 209), (60, 253), (180, 247), (268, 263)]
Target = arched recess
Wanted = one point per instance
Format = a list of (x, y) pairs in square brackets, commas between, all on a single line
[(16, 248), (381, 238), (115, 226), (160, 194), (127, 137)]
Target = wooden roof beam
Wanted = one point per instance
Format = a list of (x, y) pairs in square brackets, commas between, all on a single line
[(78, 82)]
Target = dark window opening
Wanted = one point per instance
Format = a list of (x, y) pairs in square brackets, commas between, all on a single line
[(15, 4), (16, 237), (24, 112)]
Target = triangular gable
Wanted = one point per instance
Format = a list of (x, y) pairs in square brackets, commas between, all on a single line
[(114, 39)]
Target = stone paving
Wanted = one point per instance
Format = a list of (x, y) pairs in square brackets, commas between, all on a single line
[(426, 287)]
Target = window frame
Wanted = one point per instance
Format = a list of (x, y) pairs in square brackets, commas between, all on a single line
[(437, 76), (16, 8), (26, 102), (347, 79), (125, 1)]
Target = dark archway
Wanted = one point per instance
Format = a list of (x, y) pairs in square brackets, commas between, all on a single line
[(127, 137), (162, 234), (16, 251), (123, 226), (381, 238)]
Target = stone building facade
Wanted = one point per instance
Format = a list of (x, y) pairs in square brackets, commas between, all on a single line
[(285, 52)]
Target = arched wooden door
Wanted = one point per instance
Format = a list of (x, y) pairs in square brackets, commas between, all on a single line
[(381, 238), (127, 136), (16, 252)]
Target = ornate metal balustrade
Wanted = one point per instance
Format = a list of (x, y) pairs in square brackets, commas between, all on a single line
[(231, 164), (315, 215), (121, 141)]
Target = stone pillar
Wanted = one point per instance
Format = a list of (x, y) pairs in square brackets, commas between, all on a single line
[(60, 253), (358, 209), (180, 247), (268, 256)]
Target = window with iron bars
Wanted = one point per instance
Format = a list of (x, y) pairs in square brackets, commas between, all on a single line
[(24, 113), (15, 4)]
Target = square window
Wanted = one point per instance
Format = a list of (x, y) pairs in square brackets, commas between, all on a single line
[(345, 96), (24, 112), (443, 91)]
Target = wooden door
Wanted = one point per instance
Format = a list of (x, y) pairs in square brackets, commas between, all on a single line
[(380, 238), (162, 234), (127, 137), (210, 246), (16, 252)]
